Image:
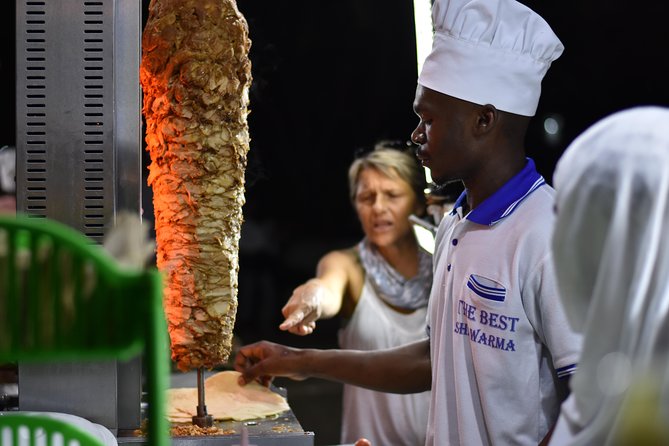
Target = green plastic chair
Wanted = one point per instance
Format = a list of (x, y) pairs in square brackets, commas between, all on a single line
[(63, 298), (43, 430)]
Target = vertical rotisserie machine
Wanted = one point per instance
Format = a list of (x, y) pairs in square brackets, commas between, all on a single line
[(78, 139), (79, 161)]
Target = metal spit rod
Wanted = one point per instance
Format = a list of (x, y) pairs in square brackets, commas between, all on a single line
[(202, 419)]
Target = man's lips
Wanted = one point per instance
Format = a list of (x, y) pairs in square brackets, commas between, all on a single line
[(421, 154)]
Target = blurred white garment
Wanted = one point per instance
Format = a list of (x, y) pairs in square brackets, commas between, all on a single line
[(129, 242), (611, 252)]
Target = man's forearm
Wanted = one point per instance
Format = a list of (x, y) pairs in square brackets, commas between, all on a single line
[(403, 369)]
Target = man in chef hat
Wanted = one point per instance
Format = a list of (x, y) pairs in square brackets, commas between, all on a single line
[(500, 343), (499, 349)]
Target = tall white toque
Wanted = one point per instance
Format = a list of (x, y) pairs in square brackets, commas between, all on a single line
[(490, 52)]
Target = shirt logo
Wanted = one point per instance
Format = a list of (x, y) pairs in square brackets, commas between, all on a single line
[(486, 288)]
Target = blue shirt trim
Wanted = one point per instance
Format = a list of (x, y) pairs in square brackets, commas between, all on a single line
[(566, 371), (502, 203)]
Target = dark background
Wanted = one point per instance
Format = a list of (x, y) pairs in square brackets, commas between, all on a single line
[(333, 76), (340, 75)]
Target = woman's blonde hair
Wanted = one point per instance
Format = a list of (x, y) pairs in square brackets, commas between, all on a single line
[(392, 162)]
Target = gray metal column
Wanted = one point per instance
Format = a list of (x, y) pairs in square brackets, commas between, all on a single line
[(78, 143)]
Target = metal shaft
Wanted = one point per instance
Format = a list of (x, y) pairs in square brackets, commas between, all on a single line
[(202, 419)]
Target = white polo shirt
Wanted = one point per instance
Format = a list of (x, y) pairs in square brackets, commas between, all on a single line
[(499, 338)]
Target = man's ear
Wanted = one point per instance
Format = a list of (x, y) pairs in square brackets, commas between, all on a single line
[(486, 119)]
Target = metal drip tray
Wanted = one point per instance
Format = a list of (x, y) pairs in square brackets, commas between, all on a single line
[(283, 430)]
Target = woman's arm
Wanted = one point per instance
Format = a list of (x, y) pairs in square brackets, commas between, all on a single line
[(320, 297)]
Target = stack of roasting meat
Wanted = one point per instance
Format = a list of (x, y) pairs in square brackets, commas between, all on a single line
[(195, 74)]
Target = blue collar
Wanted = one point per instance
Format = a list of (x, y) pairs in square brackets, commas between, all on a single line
[(507, 198)]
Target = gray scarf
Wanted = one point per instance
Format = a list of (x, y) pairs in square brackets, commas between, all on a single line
[(390, 285)]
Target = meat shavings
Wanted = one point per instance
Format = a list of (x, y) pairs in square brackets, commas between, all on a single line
[(196, 74), (191, 430)]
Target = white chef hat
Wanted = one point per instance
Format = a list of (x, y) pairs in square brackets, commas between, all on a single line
[(490, 52)]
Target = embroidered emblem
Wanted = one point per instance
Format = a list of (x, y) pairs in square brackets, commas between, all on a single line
[(486, 288)]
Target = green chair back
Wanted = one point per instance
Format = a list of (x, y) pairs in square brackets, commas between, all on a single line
[(63, 298), (41, 430)]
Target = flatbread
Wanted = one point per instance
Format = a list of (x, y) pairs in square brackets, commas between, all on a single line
[(226, 400), (181, 404)]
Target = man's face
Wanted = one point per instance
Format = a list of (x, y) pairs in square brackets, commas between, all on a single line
[(443, 135)]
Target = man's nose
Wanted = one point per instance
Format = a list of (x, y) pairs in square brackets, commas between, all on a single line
[(418, 135)]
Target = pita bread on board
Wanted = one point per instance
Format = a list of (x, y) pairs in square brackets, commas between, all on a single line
[(226, 400)]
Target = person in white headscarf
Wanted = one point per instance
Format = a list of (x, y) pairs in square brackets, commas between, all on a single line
[(611, 254), (500, 349)]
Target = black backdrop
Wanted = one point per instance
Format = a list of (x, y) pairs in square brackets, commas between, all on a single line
[(332, 76)]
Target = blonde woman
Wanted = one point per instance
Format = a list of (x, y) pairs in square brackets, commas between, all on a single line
[(380, 287)]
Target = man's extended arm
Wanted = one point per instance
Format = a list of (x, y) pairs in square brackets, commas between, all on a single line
[(404, 369)]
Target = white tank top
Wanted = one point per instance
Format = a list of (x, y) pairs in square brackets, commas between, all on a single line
[(382, 418)]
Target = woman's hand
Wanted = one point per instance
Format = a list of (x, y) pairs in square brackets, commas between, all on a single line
[(304, 308)]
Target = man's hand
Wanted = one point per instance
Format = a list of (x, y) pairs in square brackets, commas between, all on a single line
[(264, 360), (303, 308)]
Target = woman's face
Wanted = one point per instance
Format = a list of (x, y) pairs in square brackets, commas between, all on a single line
[(384, 205)]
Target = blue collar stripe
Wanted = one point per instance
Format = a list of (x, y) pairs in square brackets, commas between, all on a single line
[(459, 202), (540, 182), (506, 199)]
